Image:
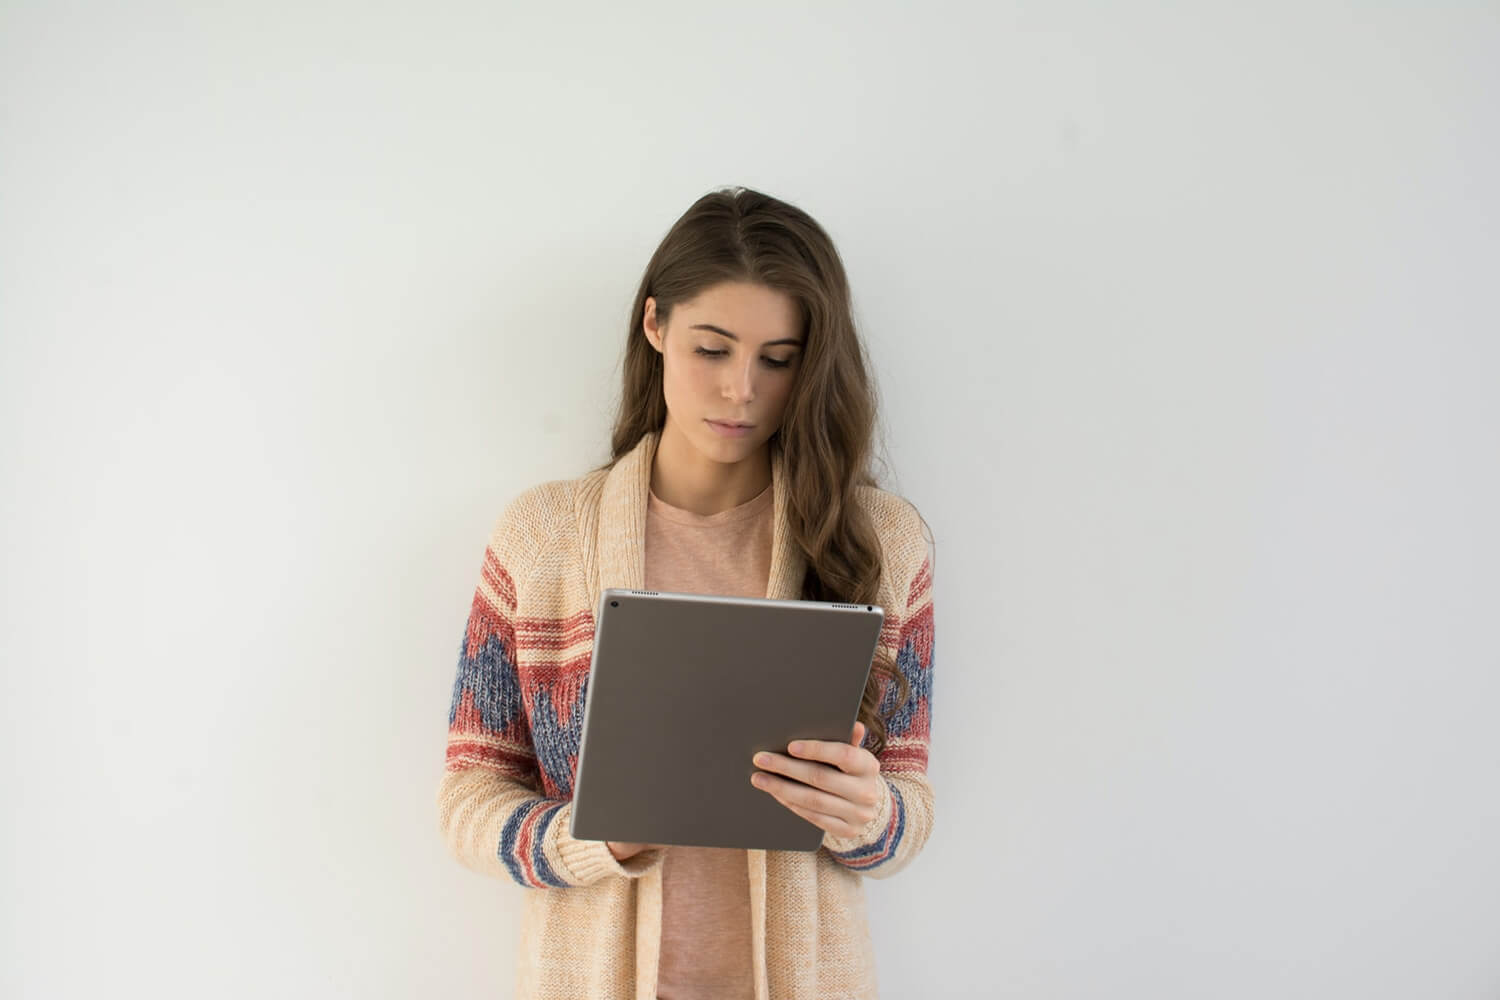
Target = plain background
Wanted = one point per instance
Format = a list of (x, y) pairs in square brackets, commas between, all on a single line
[(1185, 319)]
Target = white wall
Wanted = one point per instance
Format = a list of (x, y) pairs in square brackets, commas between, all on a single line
[(1186, 323)]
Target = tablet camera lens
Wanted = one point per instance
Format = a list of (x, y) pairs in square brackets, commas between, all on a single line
[(869, 607), (614, 604)]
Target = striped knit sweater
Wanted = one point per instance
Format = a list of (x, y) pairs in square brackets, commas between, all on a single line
[(591, 926)]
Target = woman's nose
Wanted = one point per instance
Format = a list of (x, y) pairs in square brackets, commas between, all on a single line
[(741, 384)]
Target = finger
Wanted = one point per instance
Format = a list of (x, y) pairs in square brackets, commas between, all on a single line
[(794, 793), (854, 788), (846, 757), (859, 733), (823, 821), (626, 851)]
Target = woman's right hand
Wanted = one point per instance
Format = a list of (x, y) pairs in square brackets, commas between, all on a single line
[(623, 851)]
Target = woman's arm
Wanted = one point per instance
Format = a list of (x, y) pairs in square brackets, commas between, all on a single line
[(500, 827), (875, 811), (490, 810), (902, 821)]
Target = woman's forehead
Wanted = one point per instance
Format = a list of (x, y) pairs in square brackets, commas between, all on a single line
[(744, 312)]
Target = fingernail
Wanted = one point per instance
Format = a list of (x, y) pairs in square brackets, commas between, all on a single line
[(762, 759), (758, 781), (797, 747)]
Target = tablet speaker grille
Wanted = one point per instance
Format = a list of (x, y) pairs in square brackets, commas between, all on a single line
[(646, 593)]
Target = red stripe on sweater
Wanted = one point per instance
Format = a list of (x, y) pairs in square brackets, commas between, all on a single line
[(499, 580), (565, 671), (921, 583), (525, 840), (918, 631), (465, 754), (485, 623), (553, 633), (563, 687), (894, 760), (466, 718)]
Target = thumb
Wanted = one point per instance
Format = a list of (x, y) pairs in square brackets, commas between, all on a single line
[(859, 733)]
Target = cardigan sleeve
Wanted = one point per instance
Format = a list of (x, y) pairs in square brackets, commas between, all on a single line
[(903, 820), (491, 811)]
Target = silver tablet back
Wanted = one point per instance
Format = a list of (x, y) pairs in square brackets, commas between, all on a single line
[(684, 689)]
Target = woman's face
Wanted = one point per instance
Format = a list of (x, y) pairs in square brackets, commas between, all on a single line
[(729, 357)]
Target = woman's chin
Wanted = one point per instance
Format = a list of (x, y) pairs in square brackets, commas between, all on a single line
[(729, 450)]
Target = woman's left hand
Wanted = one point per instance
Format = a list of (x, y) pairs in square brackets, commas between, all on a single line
[(837, 787)]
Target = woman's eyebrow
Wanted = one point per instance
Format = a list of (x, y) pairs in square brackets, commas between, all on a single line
[(725, 333)]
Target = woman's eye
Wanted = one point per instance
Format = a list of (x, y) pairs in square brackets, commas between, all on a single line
[(770, 362)]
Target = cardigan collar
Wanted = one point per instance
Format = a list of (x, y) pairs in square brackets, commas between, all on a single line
[(621, 533)]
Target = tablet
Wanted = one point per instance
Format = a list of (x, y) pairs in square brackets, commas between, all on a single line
[(684, 689)]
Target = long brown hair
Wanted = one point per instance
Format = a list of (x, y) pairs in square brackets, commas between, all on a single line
[(826, 435)]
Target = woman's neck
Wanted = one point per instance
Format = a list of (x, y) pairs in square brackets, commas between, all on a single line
[(684, 477)]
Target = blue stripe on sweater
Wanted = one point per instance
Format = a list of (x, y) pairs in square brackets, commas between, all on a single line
[(538, 856), (919, 680), (508, 834), (888, 841), (545, 876), (491, 675)]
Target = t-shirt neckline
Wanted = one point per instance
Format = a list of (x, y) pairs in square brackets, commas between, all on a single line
[(755, 505)]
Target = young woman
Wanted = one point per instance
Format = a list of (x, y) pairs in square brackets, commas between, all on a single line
[(740, 466)]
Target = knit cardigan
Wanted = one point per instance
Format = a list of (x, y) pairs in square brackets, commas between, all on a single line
[(591, 925)]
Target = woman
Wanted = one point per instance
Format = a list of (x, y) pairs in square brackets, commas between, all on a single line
[(739, 467)]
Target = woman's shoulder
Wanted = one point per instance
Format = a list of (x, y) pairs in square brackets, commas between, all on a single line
[(891, 512), (540, 505), (547, 505), (538, 514), (903, 532)]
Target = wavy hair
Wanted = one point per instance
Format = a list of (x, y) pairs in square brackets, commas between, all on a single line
[(826, 436)]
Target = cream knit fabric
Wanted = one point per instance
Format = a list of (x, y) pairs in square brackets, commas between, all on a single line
[(591, 925)]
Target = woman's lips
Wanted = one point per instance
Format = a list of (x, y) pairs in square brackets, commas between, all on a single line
[(730, 430)]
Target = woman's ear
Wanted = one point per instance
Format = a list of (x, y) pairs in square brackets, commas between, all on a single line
[(649, 325)]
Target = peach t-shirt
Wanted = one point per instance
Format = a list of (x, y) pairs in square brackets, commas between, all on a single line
[(705, 919)]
